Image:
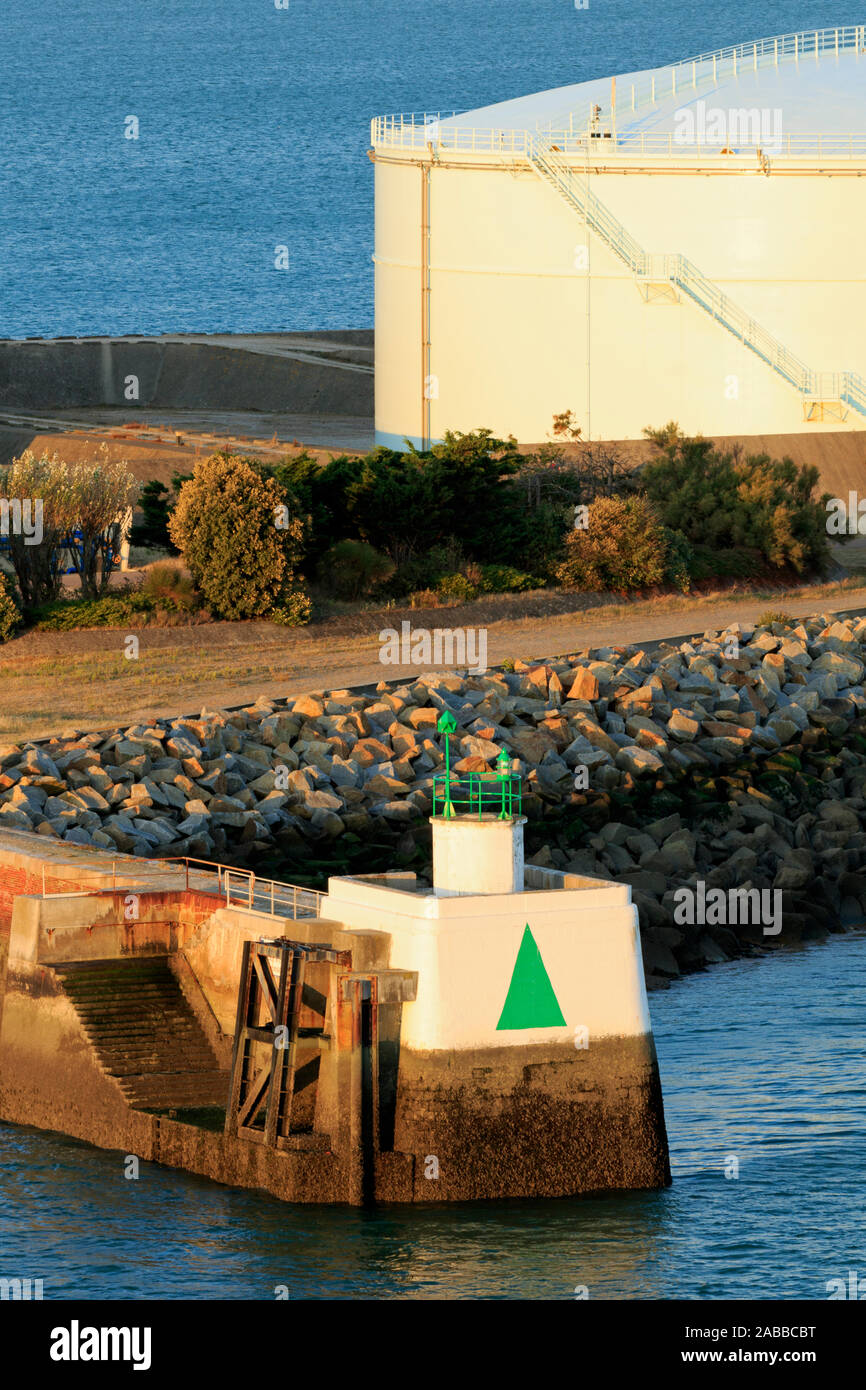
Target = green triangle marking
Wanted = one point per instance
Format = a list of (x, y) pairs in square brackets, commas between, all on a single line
[(530, 1001)]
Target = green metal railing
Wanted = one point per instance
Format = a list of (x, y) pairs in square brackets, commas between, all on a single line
[(477, 794), (474, 793)]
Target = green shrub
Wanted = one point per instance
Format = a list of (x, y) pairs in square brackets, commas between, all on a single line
[(415, 573), (729, 501), (456, 588), (294, 610), (740, 562), (168, 582), (239, 537), (10, 615), (114, 610), (623, 547), (350, 569), (505, 579), (423, 571)]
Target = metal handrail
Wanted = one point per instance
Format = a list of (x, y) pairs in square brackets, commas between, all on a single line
[(735, 59), (258, 894), (628, 144), (410, 130)]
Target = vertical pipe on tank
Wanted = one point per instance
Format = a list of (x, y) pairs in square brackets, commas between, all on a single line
[(588, 303), (425, 307)]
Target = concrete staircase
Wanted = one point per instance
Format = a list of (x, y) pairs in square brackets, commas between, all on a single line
[(144, 1033)]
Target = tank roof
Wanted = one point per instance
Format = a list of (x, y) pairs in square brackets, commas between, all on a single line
[(816, 80)]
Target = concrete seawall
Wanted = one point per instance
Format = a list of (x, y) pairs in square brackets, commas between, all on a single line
[(326, 374)]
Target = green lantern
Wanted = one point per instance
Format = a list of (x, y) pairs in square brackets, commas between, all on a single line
[(503, 762)]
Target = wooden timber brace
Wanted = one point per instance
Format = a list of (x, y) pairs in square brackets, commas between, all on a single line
[(273, 992), (296, 998)]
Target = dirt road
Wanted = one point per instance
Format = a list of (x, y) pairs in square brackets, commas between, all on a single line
[(52, 681)]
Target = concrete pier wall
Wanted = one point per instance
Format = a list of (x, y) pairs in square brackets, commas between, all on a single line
[(506, 1049)]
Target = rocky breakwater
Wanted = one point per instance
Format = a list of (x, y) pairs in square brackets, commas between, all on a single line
[(733, 762)]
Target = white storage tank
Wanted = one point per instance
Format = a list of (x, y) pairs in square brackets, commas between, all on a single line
[(684, 243)]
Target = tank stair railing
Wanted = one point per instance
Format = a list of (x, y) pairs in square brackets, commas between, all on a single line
[(678, 271)]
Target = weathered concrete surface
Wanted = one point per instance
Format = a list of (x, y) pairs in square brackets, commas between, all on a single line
[(267, 373), (49, 1074), (540, 1121), (214, 950)]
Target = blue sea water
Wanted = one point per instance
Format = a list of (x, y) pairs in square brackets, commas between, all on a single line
[(762, 1061), (253, 131)]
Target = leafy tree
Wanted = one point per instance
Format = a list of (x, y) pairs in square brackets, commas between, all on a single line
[(320, 491), (155, 502), (91, 498), (407, 503), (102, 494), (240, 538), (729, 501), (10, 616), (44, 486), (623, 547)]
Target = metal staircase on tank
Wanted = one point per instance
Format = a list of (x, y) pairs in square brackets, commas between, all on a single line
[(664, 277)]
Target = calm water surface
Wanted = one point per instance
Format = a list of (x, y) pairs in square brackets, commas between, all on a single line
[(254, 126), (761, 1059)]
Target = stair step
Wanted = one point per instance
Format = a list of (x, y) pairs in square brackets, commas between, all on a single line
[(144, 1033)]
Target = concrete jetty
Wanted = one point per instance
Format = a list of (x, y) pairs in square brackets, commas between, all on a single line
[(486, 1036)]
